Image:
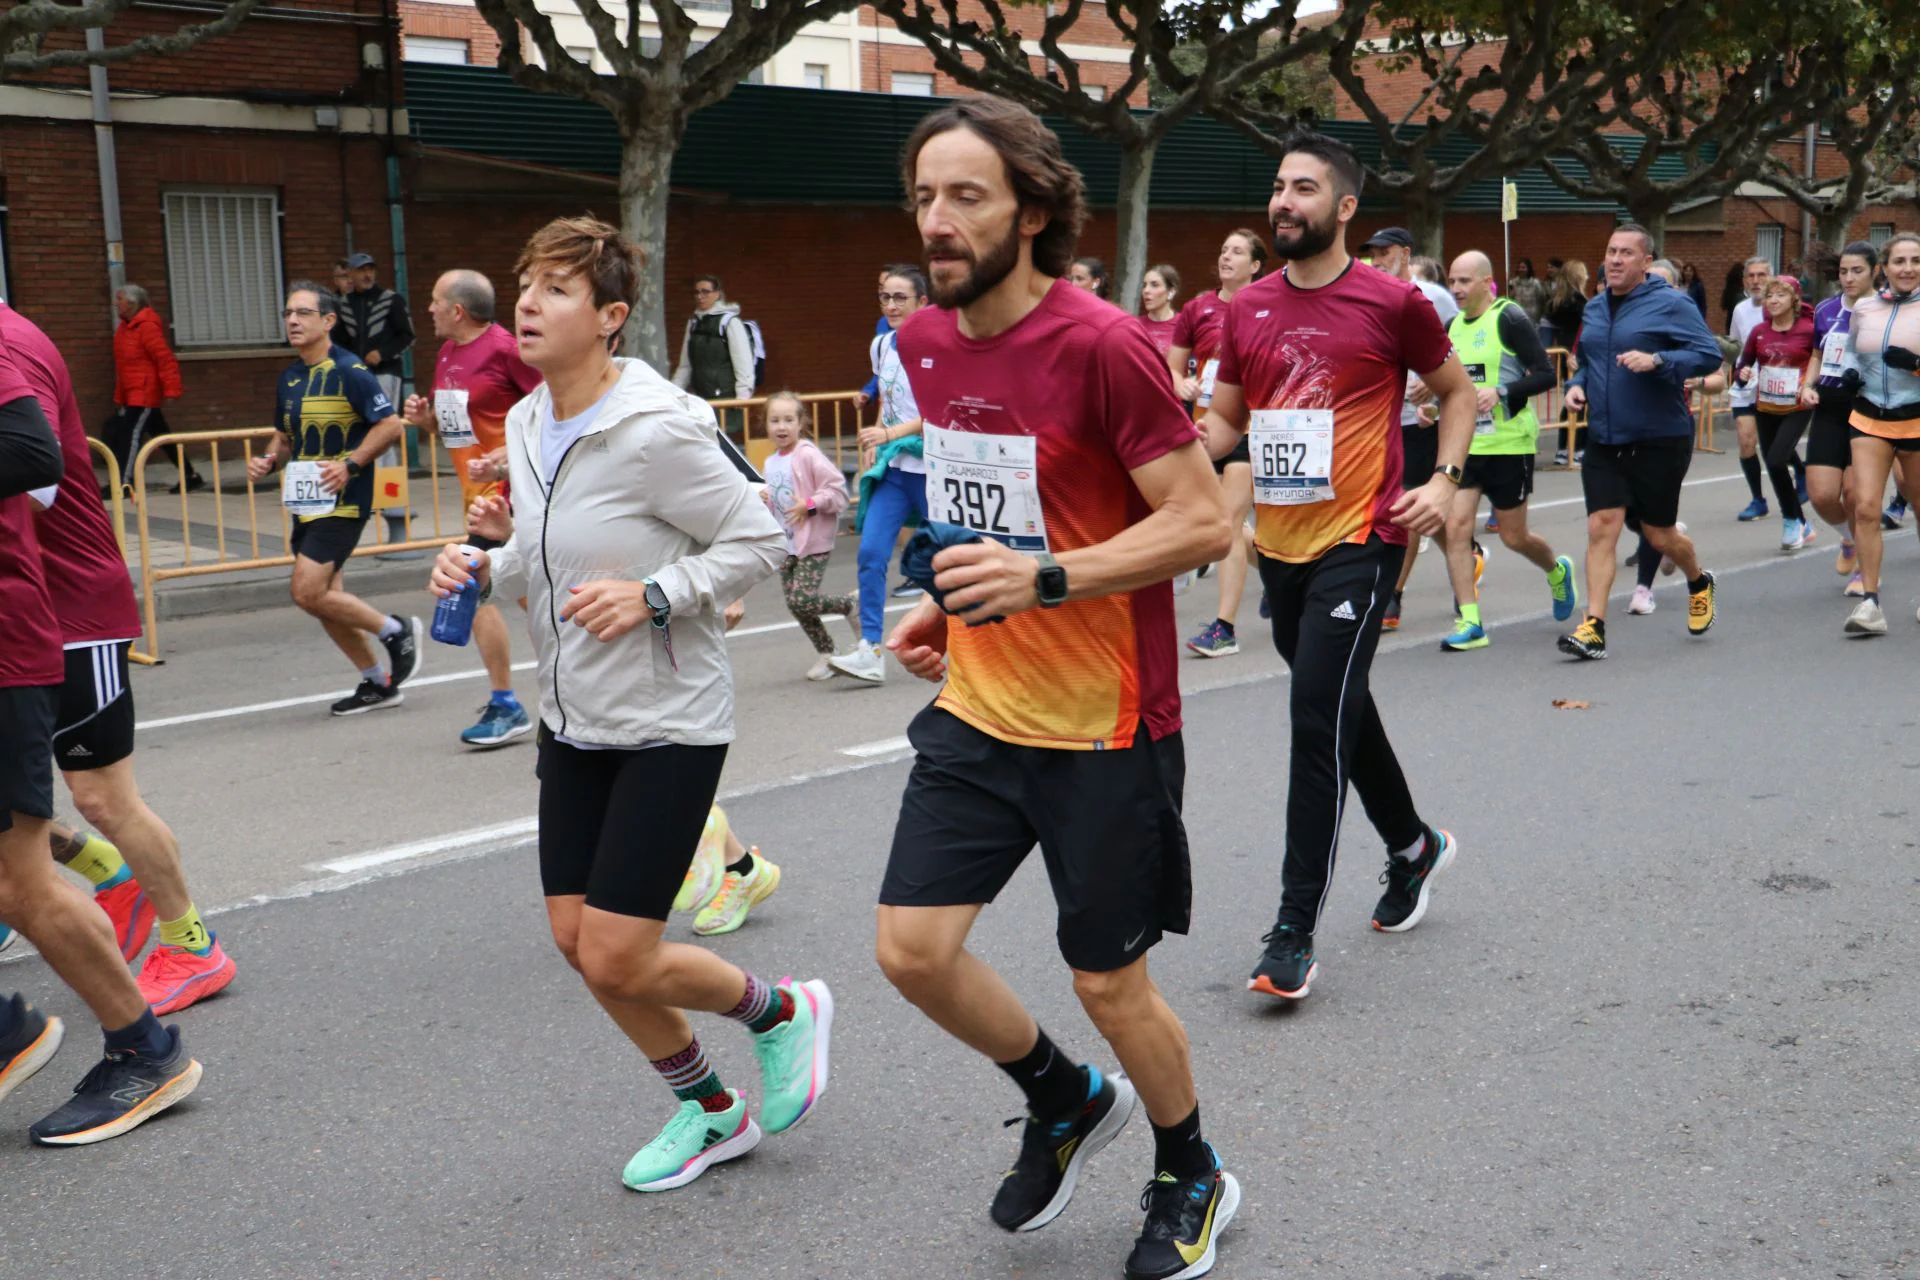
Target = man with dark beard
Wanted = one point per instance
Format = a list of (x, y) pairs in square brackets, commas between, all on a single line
[(1313, 367), (1055, 443)]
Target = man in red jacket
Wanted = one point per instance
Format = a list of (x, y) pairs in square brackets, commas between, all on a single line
[(145, 376)]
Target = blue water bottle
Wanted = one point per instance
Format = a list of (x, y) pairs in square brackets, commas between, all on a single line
[(453, 616)]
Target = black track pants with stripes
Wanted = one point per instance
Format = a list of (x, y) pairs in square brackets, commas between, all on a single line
[(1326, 624)]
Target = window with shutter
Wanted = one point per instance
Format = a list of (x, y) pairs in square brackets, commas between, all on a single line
[(223, 266)]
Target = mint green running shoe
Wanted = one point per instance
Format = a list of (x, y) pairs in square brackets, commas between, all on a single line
[(694, 1141), (1566, 592), (793, 1056)]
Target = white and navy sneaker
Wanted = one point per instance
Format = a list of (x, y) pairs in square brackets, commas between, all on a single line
[(368, 697)]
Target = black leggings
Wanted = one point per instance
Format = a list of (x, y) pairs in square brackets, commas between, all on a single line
[(621, 826), (1779, 435), (1326, 624)]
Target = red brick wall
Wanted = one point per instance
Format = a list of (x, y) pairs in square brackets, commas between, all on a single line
[(453, 21), (57, 247)]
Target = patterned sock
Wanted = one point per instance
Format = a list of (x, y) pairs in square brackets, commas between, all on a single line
[(100, 862), (693, 1079), (763, 1007), (187, 932)]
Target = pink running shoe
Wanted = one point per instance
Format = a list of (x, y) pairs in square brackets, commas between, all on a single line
[(175, 977), (127, 906)]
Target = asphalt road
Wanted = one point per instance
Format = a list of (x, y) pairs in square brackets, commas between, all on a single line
[(1659, 1023)]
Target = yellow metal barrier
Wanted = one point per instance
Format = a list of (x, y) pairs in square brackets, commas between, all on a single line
[(835, 424), (448, 523), (1572, 424), (116, 505)]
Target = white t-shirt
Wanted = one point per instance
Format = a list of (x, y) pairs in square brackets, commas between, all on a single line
[(778, 470), (1746, 318), (1447, 308), (558, 434), (896, 396)]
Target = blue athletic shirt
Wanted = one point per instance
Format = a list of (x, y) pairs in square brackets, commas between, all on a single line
[(326, 410)]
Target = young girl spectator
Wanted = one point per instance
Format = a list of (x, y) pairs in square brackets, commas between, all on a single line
[(806, 494)]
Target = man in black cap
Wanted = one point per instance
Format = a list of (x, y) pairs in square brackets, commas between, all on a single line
[(1390, 249), (375, 326)]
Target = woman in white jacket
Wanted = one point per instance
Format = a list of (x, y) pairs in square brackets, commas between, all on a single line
[(630, 532)]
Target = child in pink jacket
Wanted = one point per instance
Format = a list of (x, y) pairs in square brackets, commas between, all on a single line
[(806, 493)]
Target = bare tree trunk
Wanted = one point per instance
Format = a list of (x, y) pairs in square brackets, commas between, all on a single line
[(1651, 213), (1427, 221), (1130, 235), (1831, 227), (646, 164)]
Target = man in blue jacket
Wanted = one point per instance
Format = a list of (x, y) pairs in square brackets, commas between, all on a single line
[(1640, 341)]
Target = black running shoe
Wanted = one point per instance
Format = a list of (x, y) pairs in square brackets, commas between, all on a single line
[(1409, 883), (403, 651), (122, 1092), (369, 697), (1041, 1182), (1287, 968), (31, 1044), (1183, 1226)]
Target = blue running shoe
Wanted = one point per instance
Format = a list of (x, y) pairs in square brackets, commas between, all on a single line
[(6, 937), (1470, 635), (1755, 510), (1215, 641), (1566, 590), (1800, 487), (498, 726), (1895, 515)]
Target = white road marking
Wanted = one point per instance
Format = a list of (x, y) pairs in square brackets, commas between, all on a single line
[(874, 750), (502, 831), (307, 700)]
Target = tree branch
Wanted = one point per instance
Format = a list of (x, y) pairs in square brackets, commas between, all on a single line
[(38, 17)]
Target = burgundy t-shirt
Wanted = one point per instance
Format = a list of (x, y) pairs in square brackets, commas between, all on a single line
[(30, 643), (86, 574), (1077, 387), (1160, 332)]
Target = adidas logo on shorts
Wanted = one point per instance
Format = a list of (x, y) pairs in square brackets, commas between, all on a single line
[(77, 750), (1344, 612)]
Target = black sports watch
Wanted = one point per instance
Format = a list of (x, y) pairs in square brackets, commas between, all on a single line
[(353, 468), (656, 598), (1050, 583), (1451, 472)]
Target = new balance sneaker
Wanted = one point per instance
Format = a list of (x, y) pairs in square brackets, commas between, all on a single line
[(368, 696), (1040, 1184), (1287, 968), (1755, 510), (1390, 618), (1565, 589), (1183, 1226), (694, 1141), (793, 1056), (865, 663), (1867, 619), (1467, 635), (1584, 641), (738, 895), (174, 977), (403, 651), (1215, 641), (1642, 602), (131, 914), (31, 1044), (1409, 883), (709, 866), (497, 726), (1700, 606), (122, 1092)]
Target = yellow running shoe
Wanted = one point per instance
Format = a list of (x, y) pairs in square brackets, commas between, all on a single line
[(1700, 612), (738, 895), (709, 866)]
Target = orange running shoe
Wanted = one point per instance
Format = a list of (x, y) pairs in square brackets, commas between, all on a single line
[(127, 906), (175, 977)]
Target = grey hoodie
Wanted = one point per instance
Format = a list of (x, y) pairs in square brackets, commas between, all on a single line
[(645, 493)]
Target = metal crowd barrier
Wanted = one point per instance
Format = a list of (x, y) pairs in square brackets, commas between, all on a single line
[(835, 424), (205, 513), (117, 507), (1572, 424)]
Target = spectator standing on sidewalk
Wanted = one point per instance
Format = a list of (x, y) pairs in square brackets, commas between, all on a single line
[(716, 353), (145, 376), (375, 325)]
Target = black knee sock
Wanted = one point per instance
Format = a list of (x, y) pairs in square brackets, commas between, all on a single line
[(1054, 1085), (745, 865), (1178, 1150), (1648, 564), (1751, 466)]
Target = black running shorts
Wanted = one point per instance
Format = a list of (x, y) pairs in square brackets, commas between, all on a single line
[(1506, 478), (329, 540), (1239, 453), (622, 826), (1644, 476), (26, 752), (1107, 823), (1911, 445), (1830, 434), (1420, 450), (95, 727)]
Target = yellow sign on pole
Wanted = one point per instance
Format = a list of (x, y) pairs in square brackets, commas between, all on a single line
[(1509, 200)]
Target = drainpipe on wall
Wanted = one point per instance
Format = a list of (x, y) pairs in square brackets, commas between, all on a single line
[(1806, 217), (109, 169)]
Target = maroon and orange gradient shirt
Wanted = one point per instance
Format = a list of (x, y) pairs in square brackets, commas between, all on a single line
[(1081, 378), (1346, 346)]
